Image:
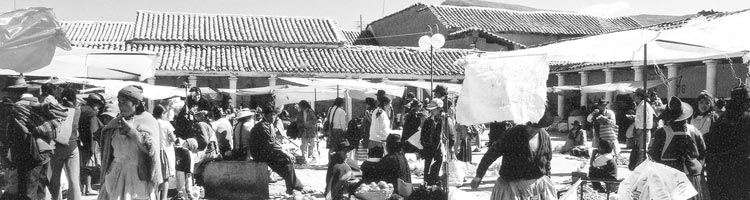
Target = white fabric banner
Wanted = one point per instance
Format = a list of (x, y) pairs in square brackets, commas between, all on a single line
[(499, 89)]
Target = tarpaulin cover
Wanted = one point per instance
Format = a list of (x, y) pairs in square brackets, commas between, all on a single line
[(621, 87), (351, 84), (260, 90), (28, 38), (100, 64), (111, 87), (452, 87), (297, 94), (499, 89)]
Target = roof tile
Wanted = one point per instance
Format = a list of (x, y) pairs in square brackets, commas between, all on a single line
[(162, 26), (98, 32), (541, 22)]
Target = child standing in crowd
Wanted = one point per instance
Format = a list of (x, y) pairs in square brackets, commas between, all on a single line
[(167, 155), (603, 166)]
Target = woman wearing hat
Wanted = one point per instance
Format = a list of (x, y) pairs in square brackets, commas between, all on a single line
[(728, 159), (576, 137), (394, 164), (130, 146), (679, 144), (706, 115)]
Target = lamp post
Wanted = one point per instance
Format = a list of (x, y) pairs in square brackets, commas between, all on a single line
[(433, 42)]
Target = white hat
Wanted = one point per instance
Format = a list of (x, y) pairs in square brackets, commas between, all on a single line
[(434, 103), (245, 112)]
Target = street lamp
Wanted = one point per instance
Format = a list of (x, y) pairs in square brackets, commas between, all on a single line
[(435, 42)]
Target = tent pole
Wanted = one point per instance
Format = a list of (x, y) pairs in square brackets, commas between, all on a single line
[(432, 56), (642, 147)]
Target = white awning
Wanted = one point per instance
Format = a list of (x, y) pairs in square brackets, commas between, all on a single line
[(112, 87), (452, 87)]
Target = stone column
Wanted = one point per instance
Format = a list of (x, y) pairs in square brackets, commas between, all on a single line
[(711, 76), (672, 71), (233, 87), (193, 80), (272, 80), (151, 81), (560, 98), (420, 91), (584, 82), (609, 76)]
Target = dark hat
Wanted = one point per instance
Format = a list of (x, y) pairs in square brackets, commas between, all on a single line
[(740, 93), (95, 98), (576, 123), (677, 110), (381, 93), (601, 101), (267, 109), (393, 138), (16, 82), (441, 90), (344, 145), (133, 93)]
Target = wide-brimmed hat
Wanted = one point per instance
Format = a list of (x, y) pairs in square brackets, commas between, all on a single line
[(441, 90), (393, 138), (380, 93), (344, 145), (16, 82), (245, 112), (95, 98), (434, 103), (677, 110), (601, 102)]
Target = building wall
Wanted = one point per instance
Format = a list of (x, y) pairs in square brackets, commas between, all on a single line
[(409, 21)]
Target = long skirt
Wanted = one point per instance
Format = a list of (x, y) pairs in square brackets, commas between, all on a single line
[(541, 188), (699, 183)]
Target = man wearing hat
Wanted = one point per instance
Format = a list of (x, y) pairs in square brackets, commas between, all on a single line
[(32, 164), (241, 138), (431, 141), (88, 129), (604, 120), (641, 132), (728, 156), (264, 147)]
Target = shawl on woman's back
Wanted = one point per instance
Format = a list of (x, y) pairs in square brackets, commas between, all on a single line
[(148, 127)]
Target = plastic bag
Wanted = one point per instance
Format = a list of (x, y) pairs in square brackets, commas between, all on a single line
[(652, 180), (456, 173)]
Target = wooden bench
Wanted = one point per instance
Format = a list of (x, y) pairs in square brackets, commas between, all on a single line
[(236, 180)]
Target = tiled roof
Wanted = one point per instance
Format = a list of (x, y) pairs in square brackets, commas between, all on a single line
[(348, 59), (484, 34), (162, 26), (697, 18), (98, 32), (357, 37), (540, 22)]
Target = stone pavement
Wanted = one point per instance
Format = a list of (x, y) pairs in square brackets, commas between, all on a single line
[(313, 175)]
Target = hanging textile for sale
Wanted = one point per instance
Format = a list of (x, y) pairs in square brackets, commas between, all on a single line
[(651, 180), (503, 88)]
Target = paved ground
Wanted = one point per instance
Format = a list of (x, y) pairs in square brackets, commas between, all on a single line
[(562, 166)]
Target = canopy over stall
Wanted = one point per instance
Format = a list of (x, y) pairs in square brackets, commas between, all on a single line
[(261, 90), (453, 89), (350, 84), (101, 64), (111, 87)]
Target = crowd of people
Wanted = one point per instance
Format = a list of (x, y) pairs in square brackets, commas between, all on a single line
[(136, 154)]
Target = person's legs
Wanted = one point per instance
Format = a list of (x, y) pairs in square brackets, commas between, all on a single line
[(33, 180), (163, 190), (285, 169), (73, 169), (57, 162), (427, 164), (305, 146), (435, 168)]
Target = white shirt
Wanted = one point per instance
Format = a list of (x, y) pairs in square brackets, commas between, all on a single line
[(379, 126), (649, 116), (339, 118)]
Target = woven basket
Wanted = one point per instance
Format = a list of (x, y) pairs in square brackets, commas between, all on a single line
[(375, 195)]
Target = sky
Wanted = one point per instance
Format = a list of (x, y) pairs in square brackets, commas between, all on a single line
[(347, 12)]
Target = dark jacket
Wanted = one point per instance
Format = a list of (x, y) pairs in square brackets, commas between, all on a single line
[(431, 129), (519, 163), (89, 126), (394, 166), (263, 144)]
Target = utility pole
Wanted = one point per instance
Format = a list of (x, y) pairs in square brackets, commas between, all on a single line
[(361, 26)]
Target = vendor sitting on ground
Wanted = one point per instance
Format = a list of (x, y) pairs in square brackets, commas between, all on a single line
[(394, 165), (339, 172), (603, 166), (575, 143), (370, 171)]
